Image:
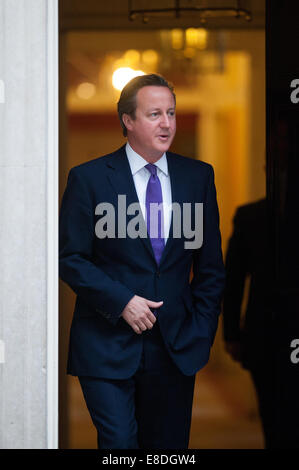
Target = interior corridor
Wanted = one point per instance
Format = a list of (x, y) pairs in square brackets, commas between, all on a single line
[(220, 119)]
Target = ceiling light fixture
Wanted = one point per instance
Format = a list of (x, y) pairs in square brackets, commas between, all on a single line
[(204, 13), (123, 75)]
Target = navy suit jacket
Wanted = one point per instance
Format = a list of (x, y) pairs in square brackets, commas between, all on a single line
[(106, 273)]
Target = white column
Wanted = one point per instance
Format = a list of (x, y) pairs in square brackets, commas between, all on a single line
[(28, 223)]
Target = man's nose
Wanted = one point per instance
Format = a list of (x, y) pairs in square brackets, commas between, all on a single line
[(164, 122)]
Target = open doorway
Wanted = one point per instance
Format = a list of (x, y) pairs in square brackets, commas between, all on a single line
[(219, 81)]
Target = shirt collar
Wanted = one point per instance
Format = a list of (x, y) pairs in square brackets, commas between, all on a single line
[(137, 162)]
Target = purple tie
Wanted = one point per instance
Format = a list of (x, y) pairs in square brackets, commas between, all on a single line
[(154, 223)]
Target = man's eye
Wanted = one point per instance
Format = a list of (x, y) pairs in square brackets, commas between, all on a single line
[(154, 114), (171, 113)]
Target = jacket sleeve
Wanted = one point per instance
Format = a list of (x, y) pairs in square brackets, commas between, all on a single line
[(99, 291), (208, 270), (236, 271)]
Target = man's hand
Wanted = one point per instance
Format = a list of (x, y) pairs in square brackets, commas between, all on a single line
[(138, 315)]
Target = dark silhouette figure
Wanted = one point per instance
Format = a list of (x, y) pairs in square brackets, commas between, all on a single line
[(249, 341)]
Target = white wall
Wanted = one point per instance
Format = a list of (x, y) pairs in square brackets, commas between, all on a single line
[(28, 193)]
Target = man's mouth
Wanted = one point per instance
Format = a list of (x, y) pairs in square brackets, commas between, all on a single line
[(164, 137)]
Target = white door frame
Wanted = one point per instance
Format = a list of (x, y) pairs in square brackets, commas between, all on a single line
[(52, 222)]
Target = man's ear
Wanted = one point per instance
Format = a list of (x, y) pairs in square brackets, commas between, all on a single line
[(127, 120)]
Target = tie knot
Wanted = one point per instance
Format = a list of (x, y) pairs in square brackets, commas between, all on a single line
[(152, 169)]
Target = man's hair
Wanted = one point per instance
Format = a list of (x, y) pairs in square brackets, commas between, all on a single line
[(127, 102)]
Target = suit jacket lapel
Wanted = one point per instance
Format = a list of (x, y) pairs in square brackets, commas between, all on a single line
[(121, 179), (175, 170)]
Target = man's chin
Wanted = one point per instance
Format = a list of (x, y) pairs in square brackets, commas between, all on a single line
[(164, 146)]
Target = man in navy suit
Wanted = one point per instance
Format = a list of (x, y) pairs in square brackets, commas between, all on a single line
[(141, 330)]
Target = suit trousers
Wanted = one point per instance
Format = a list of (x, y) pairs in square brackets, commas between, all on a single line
[(150, 410)]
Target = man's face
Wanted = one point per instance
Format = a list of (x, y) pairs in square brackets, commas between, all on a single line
[(152, 131)]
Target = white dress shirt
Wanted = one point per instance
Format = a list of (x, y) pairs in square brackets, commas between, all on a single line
[(141, 176)]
